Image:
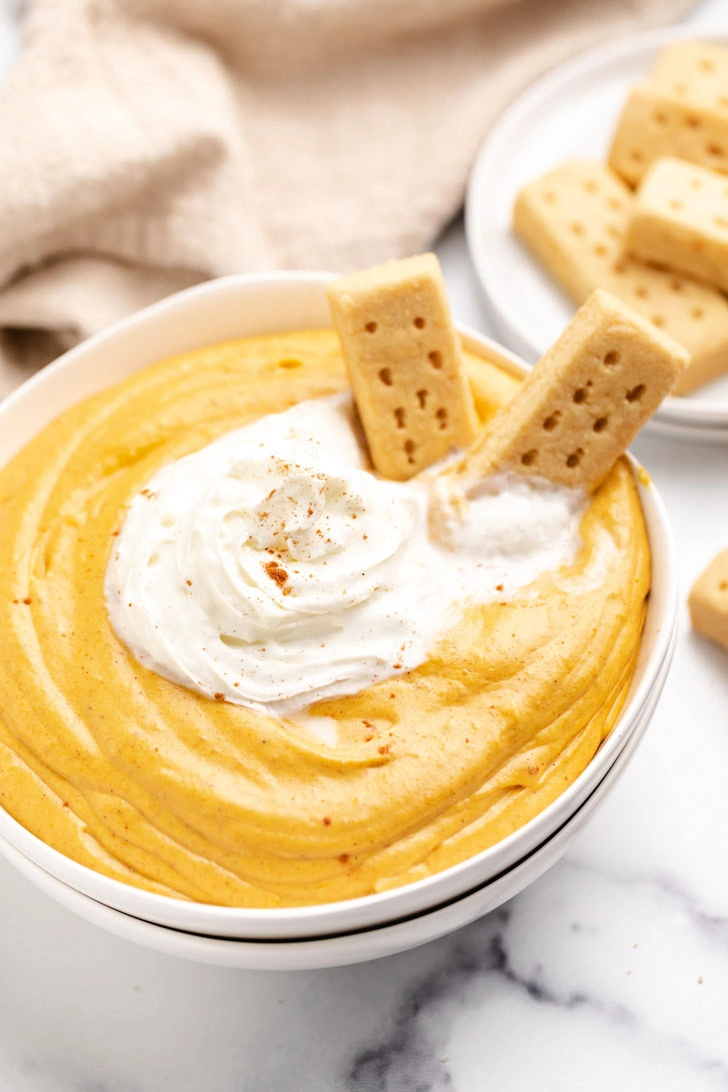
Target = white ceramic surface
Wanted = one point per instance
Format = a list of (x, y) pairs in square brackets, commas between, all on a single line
[(349, 948), (570, 113), (246, 305)]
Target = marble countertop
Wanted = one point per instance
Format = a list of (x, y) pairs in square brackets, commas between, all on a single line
[(609, 972)]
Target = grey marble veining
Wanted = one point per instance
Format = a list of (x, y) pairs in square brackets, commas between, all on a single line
[(610, 973), (581, 980)]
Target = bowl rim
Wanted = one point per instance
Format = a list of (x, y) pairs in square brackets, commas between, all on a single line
[(300, 921)]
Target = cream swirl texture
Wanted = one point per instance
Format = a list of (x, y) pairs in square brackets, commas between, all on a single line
[(272, 569)]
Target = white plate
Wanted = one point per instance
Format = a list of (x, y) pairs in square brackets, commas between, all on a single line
[(356, 947), (569, 113)]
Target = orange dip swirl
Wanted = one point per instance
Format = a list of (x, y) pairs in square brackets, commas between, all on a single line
[(149, 783)]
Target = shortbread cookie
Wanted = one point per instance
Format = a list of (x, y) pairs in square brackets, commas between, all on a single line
[(680, 220), (709, 601), (584, 402), (405, 364), (575, 220), (654, 123), (693, 72), (681, 111)]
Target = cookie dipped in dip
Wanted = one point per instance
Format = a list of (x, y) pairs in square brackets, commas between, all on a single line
[(237, 667)]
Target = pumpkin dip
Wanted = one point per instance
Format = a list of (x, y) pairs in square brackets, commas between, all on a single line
[(161, 787)]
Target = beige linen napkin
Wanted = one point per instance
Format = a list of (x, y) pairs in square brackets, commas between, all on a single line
[(149, 144)]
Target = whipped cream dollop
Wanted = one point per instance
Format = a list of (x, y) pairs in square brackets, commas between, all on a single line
[(272, 569)]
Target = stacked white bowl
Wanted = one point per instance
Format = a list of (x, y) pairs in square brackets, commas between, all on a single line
[(376, 925)]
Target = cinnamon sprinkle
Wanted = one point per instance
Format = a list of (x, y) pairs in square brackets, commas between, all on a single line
[(278, 575)]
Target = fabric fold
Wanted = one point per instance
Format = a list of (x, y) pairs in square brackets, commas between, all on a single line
[(149, 144)]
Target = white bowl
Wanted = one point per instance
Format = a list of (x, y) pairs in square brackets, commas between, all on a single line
[(347, 948), (569, 113), (247, 305)]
